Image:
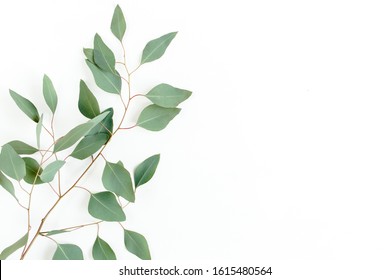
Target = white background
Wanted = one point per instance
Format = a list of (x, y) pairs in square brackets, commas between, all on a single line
[(281, 153)]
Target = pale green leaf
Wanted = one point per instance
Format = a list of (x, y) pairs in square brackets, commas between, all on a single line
[(33, 171), (106, 126), (118, 180), (89, 145), (89, 54), (49, 93), (7, 185), (25, 105), (157, 47), (156, 118), (88, 104), (145, 170), (54, 232), (107, 81), (167, 96), (22, 148), (118, 23), (104, 58), (39, 131), (51, 170), (136, 244), (14, 247), (102, 251), (68, 252), (104, 206), (11, 163)]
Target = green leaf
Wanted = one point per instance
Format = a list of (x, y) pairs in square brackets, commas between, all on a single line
[(7, 185), (88, 104), (118, 180), (157, 47), (145, 171), (102, 251), (49, 93), (107, 81), (51, 170), (156, 118), (33, 171), (118, 23), (11, 163), (89, 145), (104, 206), (25, 105), (14, 247), (104, 58), (89, 54), (167, 96), (136, 244), (54, 232), (68, 252), (22, 148), (106, 126), (39, 131)]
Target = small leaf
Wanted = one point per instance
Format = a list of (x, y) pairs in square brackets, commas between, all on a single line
[(102, 251), (106, 126), (25, 105), (22, 148), (104, 58), (11, 163), (33, 171), (145, 171), (89, 55), (118, 23), (107, 81), (14, 247), (167, 96), (68, 252), (157, 47), (51, 170), (88, 104), (7, 185), (54, 232), (156, 118), (117, 179), (49, 93), (39, 131), (136, 244), (104, 206), (89, 145)]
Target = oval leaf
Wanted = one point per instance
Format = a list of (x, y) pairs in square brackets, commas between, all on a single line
[(118, 23), (145, 171), (106, 126), (68, 252), (167, 96), (89, 145), (89, 54), (136, 244), (102, 251), (22, 148), (107, 81), (14, 247), (7, 185), (156, 118), (104, 58), (88, 104), (11, 163), (157, 47), (33, 171), (51, 170), (118, 180), (25, 105), (104, 206), (49, 93)]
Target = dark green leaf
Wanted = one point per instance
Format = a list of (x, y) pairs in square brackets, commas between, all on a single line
[(51, 170), (167, 96), (14, 247), (145, 171), (38, 131), (22, 148), (11, 163), (107, 81), (89, 55), (89, 145), (136, 244), (49, 93), (157, 47), (68, 252), (104, 58), (33, 171), (88, 104), (25, 105), (106, 126), (156, 118), (102, 251), (117, 179), (104, 206), (118, 23), (7, 185)]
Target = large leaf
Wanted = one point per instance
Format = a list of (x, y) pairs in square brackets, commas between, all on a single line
[(106, 126), (136, 244), (156, 118), (145, 170), (118, 23), (7, 185), (22, 148), (14, 247), (33, 171), (104, 58), (11, 163), (157, 47), (39, 131), (104, 206), (68, 252), (167, 96), (118, 180), (51, 170), (88, 104), (89, 145), (49, 93), (89, 55), (107, 81), (25, 105), (102, 251)]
